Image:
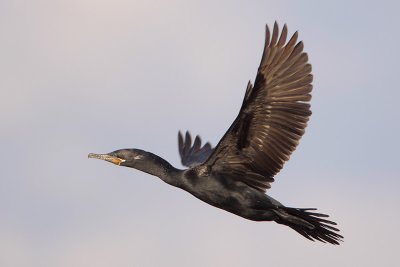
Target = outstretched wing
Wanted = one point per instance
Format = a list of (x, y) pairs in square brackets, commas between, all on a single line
[(192, 155), (272, 118)]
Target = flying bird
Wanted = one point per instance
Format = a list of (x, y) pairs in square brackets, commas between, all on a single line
[(235, 175)]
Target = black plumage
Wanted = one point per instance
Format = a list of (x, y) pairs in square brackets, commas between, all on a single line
[(193, 155), (236, 173)]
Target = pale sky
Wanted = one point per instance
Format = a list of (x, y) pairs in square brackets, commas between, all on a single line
[(80, 76)]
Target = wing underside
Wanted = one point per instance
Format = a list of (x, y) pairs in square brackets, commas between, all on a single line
[(273, 116)]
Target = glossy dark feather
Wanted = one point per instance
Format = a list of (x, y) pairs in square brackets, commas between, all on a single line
[(273, 116), (192, 155)]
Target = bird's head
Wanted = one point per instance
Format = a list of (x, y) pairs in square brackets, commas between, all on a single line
[(121, 157)]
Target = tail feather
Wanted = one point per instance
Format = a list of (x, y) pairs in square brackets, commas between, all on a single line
[(310, 224)]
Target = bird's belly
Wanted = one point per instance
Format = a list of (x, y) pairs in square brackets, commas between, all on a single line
[(232, 197), (229, 203)]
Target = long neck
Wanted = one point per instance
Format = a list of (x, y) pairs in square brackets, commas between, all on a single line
[(157, 166)]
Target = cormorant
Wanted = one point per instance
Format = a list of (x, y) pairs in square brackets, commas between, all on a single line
[(235, 174)]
